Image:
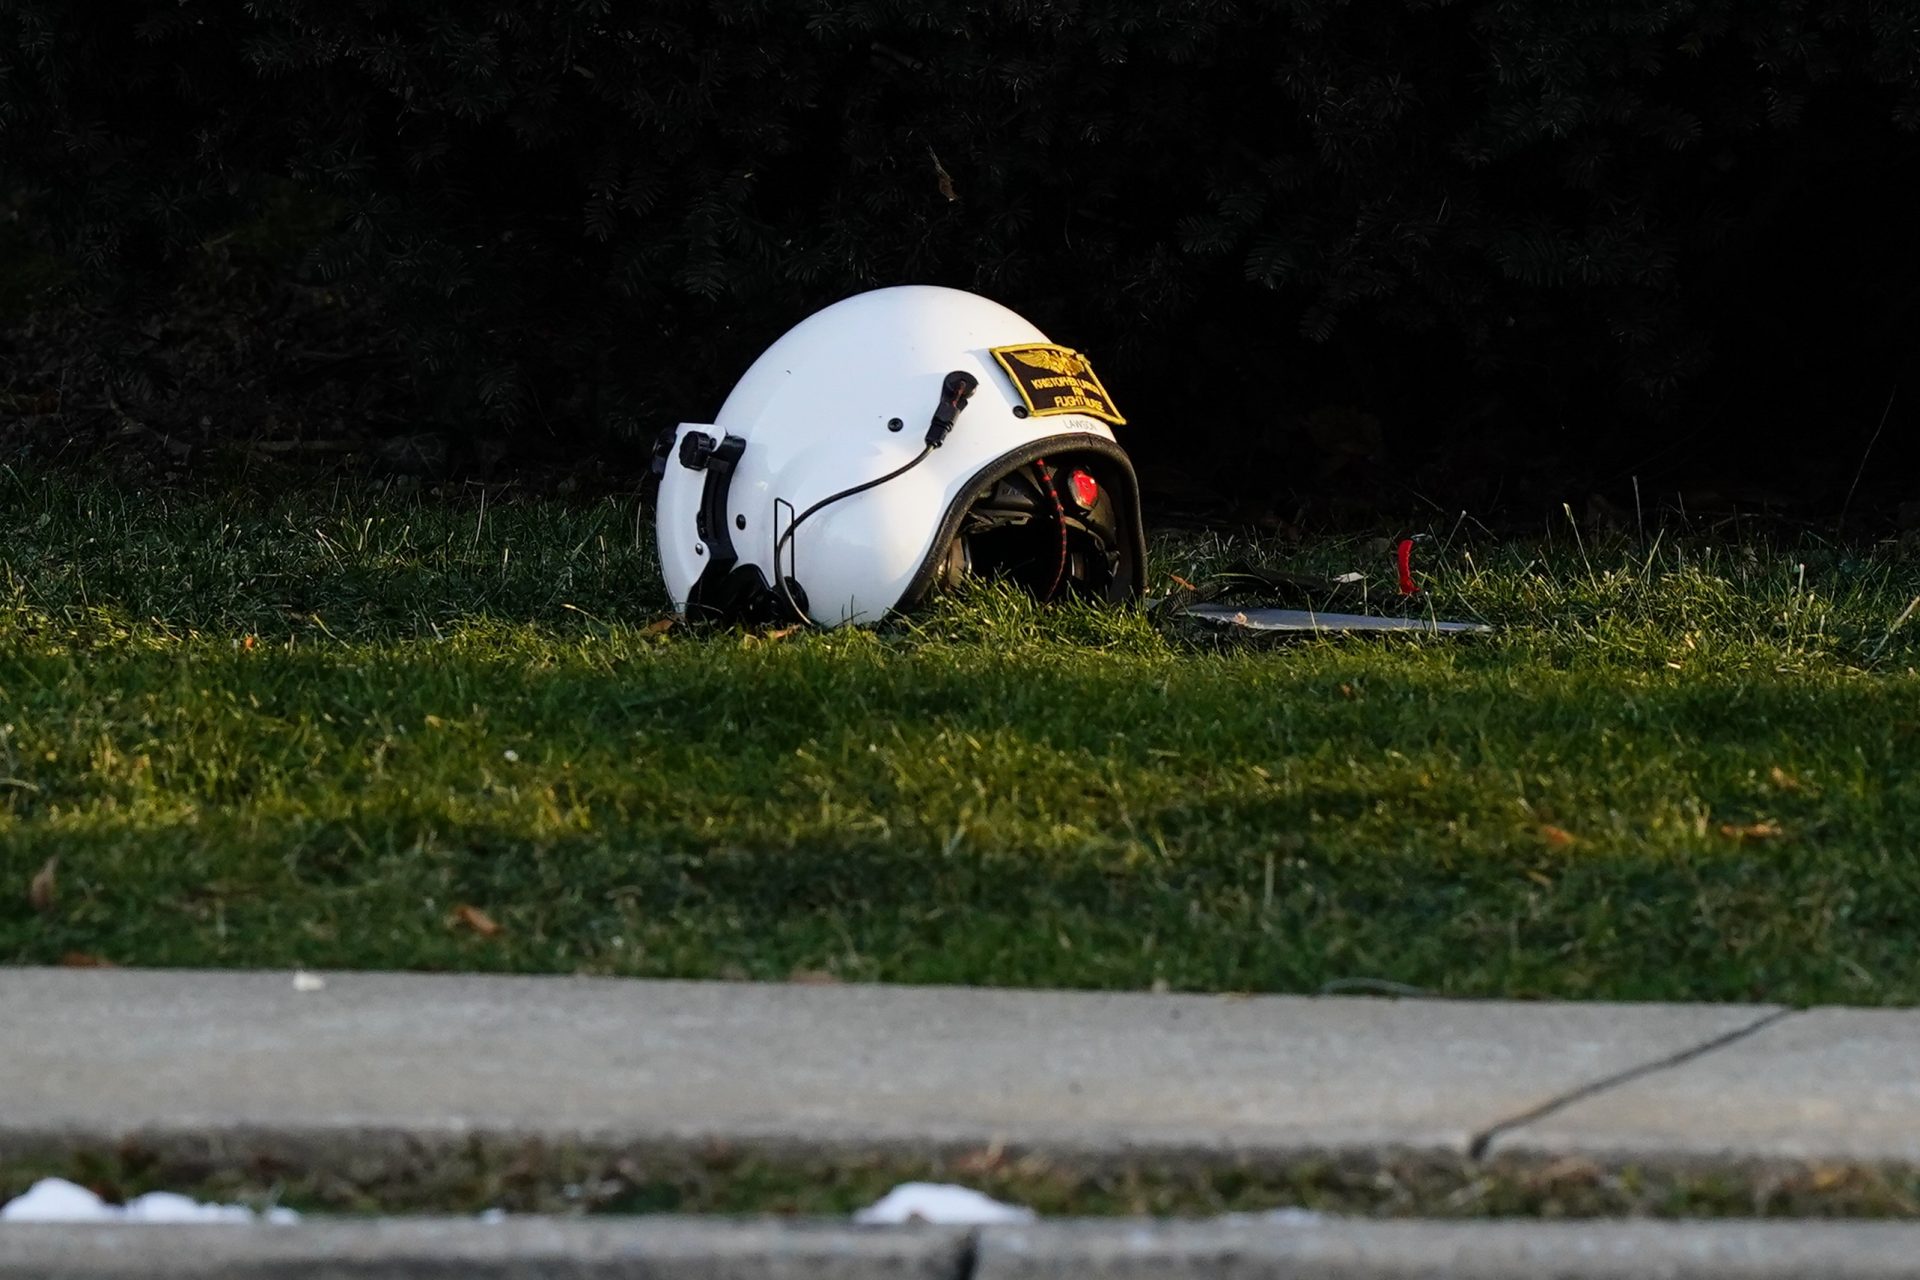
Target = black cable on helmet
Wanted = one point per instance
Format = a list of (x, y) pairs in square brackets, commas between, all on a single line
[(786, 537), (954, 392)]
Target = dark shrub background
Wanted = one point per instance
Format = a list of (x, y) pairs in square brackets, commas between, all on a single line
[(1330, 257)]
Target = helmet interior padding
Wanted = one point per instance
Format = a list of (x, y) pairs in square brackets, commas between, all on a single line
[(1061, 525), (1031, 528)]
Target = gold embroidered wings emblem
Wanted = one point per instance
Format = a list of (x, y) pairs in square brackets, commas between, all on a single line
[(1054, 379), (1064, 363)]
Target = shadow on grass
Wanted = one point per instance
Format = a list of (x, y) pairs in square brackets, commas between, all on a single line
[(1004, 818)]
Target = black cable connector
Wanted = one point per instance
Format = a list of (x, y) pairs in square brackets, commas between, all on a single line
[(953, 398)]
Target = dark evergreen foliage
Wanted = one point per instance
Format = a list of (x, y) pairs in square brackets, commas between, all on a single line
[(1553, 226)]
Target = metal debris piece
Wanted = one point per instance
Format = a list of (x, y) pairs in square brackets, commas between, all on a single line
[(1312, 620)]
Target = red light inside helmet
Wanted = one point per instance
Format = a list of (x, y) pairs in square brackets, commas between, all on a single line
[(1085, 490)]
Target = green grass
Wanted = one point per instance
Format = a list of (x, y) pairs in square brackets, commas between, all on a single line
[(309, 729)]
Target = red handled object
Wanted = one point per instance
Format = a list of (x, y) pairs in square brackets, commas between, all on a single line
[(1407, 585)]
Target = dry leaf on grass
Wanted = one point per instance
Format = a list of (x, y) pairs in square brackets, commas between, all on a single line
[(658, 627), (1766, 829), (1570, 1169), (1559, 837), (471, 917), (813, 978), (86, 960), (43, 888), (1782, 779), (751, 639), (988, 1159)]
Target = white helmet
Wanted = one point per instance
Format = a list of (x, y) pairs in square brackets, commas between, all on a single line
[(895, 441)]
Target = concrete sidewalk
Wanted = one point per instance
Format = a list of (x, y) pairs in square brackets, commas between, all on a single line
[(249, 1061), (708, 1249)]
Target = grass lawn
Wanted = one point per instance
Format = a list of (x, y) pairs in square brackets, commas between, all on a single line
[(340, 728)]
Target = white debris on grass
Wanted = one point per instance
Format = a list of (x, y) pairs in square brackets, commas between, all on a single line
[(57, 1200), (305, 982), (941, 1204)]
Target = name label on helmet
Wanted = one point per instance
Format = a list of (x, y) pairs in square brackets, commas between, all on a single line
[(1056, 380)]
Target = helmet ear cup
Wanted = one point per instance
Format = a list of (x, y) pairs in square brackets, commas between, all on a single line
[(1095, 548), (1016, 530), (958, 565)]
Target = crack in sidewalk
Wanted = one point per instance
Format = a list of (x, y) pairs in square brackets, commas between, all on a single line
[(1482, 1141), (967, 1263)]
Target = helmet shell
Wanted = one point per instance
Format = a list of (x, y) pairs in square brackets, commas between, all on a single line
[(845, 397)]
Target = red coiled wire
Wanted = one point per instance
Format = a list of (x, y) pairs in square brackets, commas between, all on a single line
[(1060, 518)]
